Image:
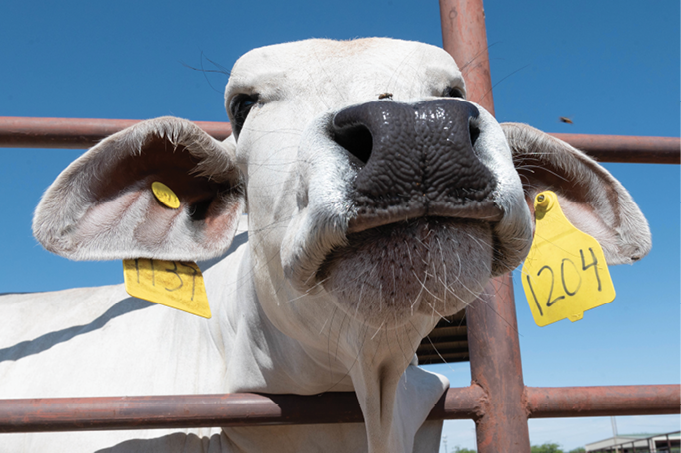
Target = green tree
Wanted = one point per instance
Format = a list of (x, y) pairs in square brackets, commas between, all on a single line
[(546, 448), (577, 450), (458, 449)]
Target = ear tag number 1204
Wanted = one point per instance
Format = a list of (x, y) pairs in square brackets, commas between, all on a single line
[(176, 284), (565, 272)]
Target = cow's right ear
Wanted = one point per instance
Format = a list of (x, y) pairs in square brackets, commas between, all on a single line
[(102, 206)]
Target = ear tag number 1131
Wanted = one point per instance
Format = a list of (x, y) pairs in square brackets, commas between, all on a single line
[(176, 284), (565, 272)]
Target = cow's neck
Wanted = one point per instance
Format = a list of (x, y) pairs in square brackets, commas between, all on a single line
[(261, 358), (385, 389)]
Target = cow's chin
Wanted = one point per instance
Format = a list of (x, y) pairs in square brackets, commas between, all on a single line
[(432, 265)]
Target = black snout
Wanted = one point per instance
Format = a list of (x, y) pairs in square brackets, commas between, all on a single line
[(416, 160)]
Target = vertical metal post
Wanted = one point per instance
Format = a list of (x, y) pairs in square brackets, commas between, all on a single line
[(464, 37), (496, 367), (492, 326)]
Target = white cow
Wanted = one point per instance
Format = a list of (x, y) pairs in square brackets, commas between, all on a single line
[(368, 220)]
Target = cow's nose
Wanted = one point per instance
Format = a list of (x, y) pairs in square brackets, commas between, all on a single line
[(380, 123), (420, 154)]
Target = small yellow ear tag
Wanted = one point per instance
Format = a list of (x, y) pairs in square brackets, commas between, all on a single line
[(165, 195), (565, 272), (173, 283)]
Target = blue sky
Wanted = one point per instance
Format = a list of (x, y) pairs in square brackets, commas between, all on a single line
[(611, 66)]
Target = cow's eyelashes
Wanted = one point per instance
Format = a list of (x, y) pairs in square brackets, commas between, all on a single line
[(239, 107), (452, 92)]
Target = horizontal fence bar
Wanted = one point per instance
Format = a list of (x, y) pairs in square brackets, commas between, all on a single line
[(459, 404), (627, 149), (600, 401), (80, 133), (76, 133), (192, 411), (184, 411), (246, 409)]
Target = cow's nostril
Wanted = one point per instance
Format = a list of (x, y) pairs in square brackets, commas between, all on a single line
[(473, 133), (356, 139)]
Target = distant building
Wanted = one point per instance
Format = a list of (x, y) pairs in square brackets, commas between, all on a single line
[(638, 443)]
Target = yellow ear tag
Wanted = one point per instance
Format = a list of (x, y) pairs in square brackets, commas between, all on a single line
[(565, 272), (173, 283), (165, 195)]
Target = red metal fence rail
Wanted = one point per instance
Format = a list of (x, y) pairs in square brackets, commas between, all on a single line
[(247, 409), (82, 133), (78, 133), (497, 400)]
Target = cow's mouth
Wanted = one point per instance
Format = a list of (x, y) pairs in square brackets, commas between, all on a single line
[(434, 265), (371, 218)]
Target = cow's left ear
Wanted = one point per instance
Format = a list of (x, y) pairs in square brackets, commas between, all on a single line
[(102, 206), (591, 198)]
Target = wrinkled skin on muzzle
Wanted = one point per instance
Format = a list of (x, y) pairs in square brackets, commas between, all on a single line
[(422, 211)]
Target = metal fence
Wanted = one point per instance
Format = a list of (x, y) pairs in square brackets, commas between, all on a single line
[(497, 400)]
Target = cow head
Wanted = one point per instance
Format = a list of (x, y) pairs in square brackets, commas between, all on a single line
[(379, 200)]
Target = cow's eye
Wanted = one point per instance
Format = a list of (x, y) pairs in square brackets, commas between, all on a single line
[(239, 107), (452, 92)]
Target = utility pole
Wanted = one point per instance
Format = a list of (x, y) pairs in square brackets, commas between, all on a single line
[(613, 422)]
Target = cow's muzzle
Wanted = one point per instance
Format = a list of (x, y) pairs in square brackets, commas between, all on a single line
[(415, 160)]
